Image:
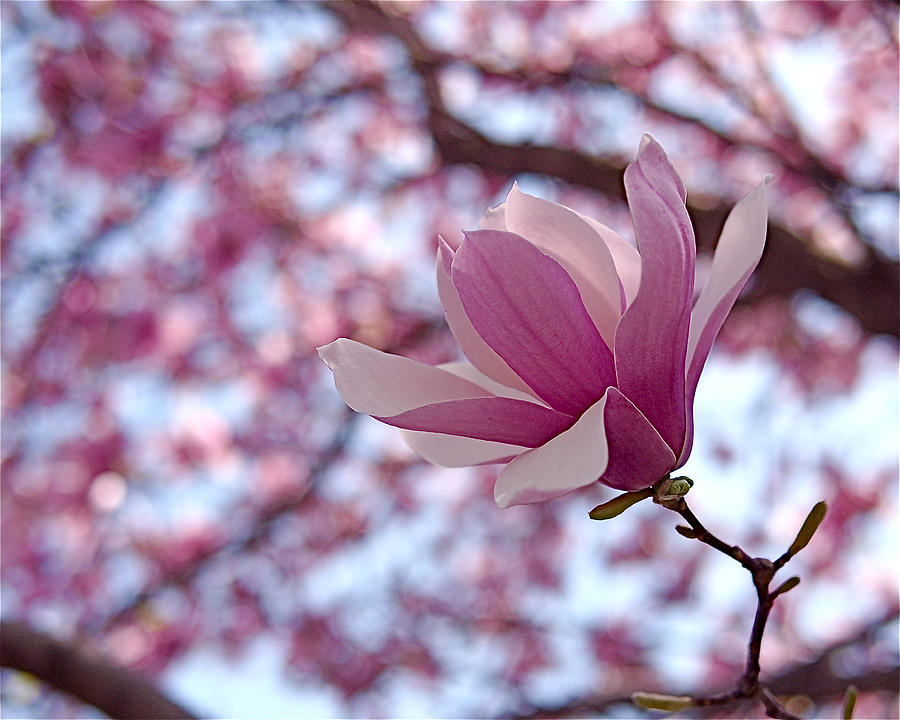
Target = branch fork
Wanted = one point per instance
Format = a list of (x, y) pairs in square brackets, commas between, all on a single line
[(669, 493)]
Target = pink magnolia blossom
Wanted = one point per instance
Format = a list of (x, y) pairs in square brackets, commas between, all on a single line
[(583, 353)]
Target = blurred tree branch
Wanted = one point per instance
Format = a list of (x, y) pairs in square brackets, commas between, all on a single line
[(117, 692), (868, 289)]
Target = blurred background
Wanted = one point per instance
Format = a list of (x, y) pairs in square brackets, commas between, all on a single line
[(196, 195)]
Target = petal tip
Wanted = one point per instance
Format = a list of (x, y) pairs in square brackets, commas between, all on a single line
[(327, 352), (503, 499)]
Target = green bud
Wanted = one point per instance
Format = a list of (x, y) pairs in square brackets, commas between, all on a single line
[(654, 701), (849, 702), (686, 531), (669, 489), (680, 486), (788, 584), (810, 525), (619, 504)]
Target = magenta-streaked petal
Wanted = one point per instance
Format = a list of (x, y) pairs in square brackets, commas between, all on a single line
[(738, 252), (624, 255), (377, 383), (503, 420), (456, 451), (494, 218), (638, 456), (527, 308), (474, 348), (651, 340), (563, 235), (571, 460)]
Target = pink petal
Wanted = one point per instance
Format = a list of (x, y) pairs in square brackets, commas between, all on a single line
[(528, 309), (651, 340), (571, 460), (456, 451), (494, 218), (738, 251), (638, 456), (567, 238), (475, 349), (504, 420), (376, 383)]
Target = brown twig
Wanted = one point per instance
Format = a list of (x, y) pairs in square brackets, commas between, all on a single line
[(762, 571)]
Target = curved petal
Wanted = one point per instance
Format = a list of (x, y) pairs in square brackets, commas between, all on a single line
[(612, 442), (377, 383), (737, 253), (571, 460), (456, 451), (563, 235), (486, 418), (527, 308), (477, 350), (651, 340), (638, 456), (624, 255)]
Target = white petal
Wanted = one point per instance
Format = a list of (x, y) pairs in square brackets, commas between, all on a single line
[(377, 383), (456, 451), (563, 235), (571, 460)]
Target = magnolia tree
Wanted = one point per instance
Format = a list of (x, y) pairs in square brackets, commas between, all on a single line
[(198, 196)]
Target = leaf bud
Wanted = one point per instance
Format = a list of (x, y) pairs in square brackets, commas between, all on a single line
[(686, 531), (619, 504), (810, 525), (788, 584), (655, 701), (849, 702)]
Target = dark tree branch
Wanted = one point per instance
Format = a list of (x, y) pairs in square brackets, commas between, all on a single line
[(868, 291), (117, 692)]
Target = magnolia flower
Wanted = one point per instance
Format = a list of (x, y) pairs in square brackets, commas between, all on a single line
[(583, 352)]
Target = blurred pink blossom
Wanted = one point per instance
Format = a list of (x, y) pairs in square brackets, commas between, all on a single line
[(583, 352)]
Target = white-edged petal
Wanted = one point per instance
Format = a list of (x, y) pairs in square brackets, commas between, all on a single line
[(572, 459), (737, 253), (376, 383)]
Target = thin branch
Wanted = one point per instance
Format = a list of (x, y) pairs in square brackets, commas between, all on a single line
[(762, 571)]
